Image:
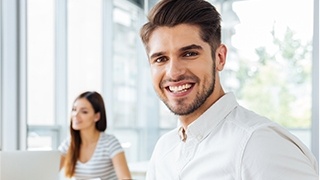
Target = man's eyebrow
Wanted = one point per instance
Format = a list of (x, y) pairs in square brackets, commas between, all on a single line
[(157, 54), (192, 46), (185, 48)]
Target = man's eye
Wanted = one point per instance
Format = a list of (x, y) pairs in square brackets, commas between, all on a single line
[(160, 59), (189, 54)]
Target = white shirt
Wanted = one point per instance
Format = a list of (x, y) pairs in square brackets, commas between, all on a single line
[(100, 164), (229, 142)]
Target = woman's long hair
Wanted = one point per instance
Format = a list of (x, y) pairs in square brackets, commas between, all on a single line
[(73, 152)]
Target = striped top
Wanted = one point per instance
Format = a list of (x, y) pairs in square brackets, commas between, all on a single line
[(100, 165)]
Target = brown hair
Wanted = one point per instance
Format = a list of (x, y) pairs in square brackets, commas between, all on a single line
[(73, 153), (194, 12)]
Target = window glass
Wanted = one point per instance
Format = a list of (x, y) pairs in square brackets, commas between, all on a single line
[(40, 58), (42, 139), (125, 121), (40, 71), (280, 59), (269, 60), (125, 64), (84, 47)]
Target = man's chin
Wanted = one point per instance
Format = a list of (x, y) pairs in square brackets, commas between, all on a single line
[(180, 111)]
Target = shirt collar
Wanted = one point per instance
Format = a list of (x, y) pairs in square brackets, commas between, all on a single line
[(202, 126)]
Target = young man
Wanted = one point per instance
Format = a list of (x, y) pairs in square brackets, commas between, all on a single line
[(218, 138)]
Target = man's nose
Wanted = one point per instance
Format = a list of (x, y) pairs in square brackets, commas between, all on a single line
[(175, 68)]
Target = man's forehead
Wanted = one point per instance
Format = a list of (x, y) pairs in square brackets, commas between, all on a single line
[(175, 37), (177, 29)]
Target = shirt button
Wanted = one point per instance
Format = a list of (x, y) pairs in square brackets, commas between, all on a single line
[(199, 137), (187, 153)]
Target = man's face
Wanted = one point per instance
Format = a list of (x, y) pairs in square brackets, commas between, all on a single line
[(182, 68)]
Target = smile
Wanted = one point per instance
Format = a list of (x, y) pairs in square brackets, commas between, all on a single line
[(179, 89)]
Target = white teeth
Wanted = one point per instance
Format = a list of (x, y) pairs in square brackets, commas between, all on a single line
[(181, 88)]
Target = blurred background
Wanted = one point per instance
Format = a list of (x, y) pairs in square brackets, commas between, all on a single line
[(52, 50)]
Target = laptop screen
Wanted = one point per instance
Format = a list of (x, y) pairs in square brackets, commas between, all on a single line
[(35, 165)]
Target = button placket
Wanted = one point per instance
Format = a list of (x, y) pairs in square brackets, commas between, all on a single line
[(187, 152)]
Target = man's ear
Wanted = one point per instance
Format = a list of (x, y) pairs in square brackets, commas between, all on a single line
[(221, 55), (97, 117)]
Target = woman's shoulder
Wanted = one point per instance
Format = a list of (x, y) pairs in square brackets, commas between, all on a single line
[(110, 142), (63, 147), (66, 141), (106, 137)]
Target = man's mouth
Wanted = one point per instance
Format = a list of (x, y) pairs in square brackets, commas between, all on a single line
[(180, 88)]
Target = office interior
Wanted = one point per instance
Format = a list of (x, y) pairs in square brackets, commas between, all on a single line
[(50, 51)]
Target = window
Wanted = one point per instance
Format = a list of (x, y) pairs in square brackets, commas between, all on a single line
[(125, 121), (270, 60), (1, 76), (40, 72), (125, 65), (84, 47)]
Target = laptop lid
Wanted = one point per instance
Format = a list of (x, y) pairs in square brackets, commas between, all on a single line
[(25, 165)]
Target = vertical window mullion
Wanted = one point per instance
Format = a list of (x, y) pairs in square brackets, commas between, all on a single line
[(315, 82), (22, 75), (1, 65), (61, 67), (9, 91), (107, 56)]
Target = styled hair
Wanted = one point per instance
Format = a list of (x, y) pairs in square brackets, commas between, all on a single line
[(194, 12), (72, 156)]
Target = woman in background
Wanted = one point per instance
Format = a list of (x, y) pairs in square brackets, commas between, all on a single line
[(89, 153)]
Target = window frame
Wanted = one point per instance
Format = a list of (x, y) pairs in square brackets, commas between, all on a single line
[(1, 87), (315, 82)]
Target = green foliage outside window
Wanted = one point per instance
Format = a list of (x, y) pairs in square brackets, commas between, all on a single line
[(278, 84)]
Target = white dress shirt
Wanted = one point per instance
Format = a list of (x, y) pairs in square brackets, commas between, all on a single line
[(229, 142)]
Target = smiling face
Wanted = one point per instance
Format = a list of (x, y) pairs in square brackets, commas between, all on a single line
[(183, 70), (83, 116)]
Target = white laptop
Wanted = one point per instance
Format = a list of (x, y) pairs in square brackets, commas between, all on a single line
[(29, 165)]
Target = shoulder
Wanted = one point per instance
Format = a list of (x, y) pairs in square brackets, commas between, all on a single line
[(108, 139), (268, 149), (110, 144), (260, 131), (240, 124), (272, 152), (63, 147), (167, 142), (247, 120), (106, 136)]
